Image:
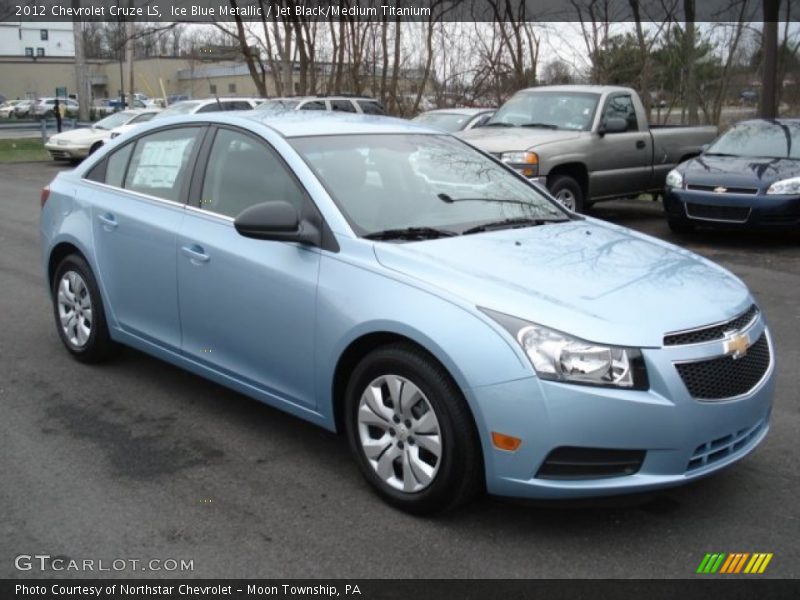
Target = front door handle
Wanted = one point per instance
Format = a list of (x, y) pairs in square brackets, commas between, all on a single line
[(196, 254), (108, 221), (640, 144)]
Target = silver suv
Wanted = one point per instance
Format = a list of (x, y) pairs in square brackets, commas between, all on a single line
[(351, 104), (45, 107)]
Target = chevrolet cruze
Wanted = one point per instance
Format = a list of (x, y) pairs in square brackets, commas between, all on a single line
[(391, 282)]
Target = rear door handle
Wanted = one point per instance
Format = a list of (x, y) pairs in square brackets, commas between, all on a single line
[(108, 221), (196, 254), (640, 144)]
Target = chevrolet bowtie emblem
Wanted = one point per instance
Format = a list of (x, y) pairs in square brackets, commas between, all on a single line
[(720, 190), (736, 344)]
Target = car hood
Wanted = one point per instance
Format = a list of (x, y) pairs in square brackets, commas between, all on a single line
[(732, 171), (83, 135), (513, 139), (597, 281)]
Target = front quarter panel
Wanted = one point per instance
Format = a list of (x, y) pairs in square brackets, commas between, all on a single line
[(358, 297)]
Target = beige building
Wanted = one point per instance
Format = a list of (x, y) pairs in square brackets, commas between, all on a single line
[(31, 77)]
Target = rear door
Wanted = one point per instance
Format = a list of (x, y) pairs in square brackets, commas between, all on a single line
[(137, 211), (621, 163), (247, 306)]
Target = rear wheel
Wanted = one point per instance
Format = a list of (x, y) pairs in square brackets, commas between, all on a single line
[(78, 311), (567, 191), (411, 431)]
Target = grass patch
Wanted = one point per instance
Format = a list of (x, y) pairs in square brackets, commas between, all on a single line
[(22, 150)]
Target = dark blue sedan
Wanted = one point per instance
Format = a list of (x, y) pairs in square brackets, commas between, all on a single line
[(748, 178)]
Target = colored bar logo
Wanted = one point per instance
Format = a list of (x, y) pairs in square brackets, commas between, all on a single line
[(734, 563)]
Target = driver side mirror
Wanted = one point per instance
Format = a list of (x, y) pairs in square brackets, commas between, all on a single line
[(277, 221), (613, 125)]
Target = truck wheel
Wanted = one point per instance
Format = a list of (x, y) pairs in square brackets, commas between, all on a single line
[(567, 191)]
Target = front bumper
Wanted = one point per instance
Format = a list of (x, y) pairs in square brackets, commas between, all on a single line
[(682, 438), (732, 211), (70, 152)]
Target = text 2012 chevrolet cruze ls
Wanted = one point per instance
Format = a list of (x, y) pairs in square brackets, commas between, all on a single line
[(390, 281)]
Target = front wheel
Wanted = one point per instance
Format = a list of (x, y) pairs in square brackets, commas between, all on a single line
[(567, 191), (411, 431), (78, 311)]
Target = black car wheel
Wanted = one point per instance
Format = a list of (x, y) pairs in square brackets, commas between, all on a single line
[(411, 431)]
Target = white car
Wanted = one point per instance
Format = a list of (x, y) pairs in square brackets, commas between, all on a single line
[(144, 116), (77, 144), (7, 109), (191, 107)]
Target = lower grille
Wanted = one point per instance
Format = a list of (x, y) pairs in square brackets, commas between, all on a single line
[(710, 212), (716, 450), (59, 154), (726, 377), (569, 462)]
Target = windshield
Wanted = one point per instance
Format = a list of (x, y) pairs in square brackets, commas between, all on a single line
[(386, 182), (445, 121), (760, 139), (557, 110), (114, 120), (181, 108), (278, 106)]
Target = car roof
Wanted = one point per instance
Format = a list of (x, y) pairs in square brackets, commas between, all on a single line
[(592, 89), (303, 124), (457, 111)]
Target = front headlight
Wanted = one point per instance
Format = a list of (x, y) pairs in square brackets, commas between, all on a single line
[(785, 186), (674, 179), (525, 162), (561, 357)]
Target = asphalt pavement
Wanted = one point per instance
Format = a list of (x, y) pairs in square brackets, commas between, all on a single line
[(139, 460)]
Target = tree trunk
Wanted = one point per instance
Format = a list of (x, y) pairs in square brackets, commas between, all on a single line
[(688, 56), (769, 96)]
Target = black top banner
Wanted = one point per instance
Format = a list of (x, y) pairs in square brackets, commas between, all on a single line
[(209, 11)]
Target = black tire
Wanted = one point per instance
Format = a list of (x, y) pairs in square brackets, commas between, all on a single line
[(680, 226), (460, 467), (95, 147), (564, 184), (98, 346)]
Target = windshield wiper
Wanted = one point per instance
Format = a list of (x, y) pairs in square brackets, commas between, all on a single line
[(410, 233), (510, 224), (541, 125), (497, 124)]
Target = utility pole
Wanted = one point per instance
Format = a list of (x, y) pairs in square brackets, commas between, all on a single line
[(129, 33), (81, 78)]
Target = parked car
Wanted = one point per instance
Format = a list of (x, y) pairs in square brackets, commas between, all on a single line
[(23, 108), (462, 328), (749, 177), (79, 143), (348, 104), (7, 109), (143, 117), (586, 143), (45, 107), (190, 107), (455, 119)]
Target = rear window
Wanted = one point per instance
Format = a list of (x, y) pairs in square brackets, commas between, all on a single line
[(371, 107)]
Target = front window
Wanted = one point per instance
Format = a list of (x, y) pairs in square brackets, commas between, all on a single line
[(551, 110), (115, 120), (760, 139), (181, 108), (445, 121), (385, 182), (278, 106)]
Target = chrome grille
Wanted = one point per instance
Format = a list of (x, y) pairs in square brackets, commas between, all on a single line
[(713, 332), (726, 377), (716, 450), (722, 189)]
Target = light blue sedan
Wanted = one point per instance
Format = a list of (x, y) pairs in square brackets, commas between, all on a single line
[(391, 282)]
